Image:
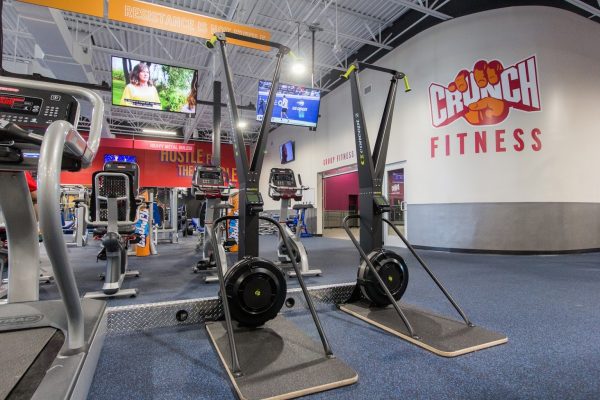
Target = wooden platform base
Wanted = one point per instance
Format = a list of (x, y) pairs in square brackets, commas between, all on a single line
[(279, 361), (440, 335)]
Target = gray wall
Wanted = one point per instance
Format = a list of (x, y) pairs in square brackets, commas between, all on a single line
[(517, 227)]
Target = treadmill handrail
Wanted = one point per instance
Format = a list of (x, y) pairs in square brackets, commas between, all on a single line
[(93, 141)]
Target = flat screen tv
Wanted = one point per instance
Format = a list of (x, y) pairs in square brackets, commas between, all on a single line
[(119, 158), (287, 152), (153, 86), (294, 105)]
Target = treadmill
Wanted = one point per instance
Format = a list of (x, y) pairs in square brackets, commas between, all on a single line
[(48, 349)]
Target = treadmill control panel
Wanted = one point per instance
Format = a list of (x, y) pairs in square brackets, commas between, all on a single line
[(25, 115), (35, 110)]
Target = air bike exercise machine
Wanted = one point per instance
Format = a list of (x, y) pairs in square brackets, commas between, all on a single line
[(265, 355), (48, 349), (283, 187), (211, 185), (383, 274)]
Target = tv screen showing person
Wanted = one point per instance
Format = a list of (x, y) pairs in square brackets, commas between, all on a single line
[(153, 86), (294, 105)]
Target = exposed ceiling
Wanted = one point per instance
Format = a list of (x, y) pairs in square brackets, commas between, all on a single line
[(349, 30)]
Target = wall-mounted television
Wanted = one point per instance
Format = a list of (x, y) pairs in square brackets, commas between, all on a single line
[(287, 152), (153, 86), (119, 158), (294, 105)]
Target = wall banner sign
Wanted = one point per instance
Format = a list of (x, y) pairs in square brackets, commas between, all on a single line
[(163, 146), (483, 97), (184, 22), (159, 17), (89, 7)]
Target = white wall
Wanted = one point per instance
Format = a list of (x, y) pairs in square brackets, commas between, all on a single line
[(568, 69)]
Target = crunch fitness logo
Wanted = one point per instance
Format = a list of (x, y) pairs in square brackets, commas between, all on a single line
[(485, 95)]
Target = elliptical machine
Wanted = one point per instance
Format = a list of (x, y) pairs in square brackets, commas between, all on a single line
[(114, 211), (283, 187)]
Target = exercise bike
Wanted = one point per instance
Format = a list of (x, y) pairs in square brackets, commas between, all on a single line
[(283, 187), (114, 211), (211, 185)]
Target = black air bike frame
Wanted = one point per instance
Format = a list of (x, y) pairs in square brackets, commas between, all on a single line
[(249, 177), (371, 169)]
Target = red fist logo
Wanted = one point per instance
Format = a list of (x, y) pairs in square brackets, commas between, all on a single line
[(487, 110)]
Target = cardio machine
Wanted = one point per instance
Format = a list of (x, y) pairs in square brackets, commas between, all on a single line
[(254, 289), (211, 185), (48, 349), (382, 275), (114, 211), (283, 187)]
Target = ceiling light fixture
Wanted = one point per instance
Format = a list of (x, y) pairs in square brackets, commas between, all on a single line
[(159, 132)]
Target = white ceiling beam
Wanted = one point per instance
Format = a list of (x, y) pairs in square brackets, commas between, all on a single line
[(424, 10), (340, 34), (586, 7)]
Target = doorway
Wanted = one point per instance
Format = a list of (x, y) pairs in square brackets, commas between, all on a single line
[(394, 188), (340, 199)]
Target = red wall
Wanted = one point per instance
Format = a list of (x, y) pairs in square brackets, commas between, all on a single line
[(158, 168), (337, 189)]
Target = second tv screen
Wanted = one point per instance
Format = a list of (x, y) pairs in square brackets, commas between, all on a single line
[(294, 105), (153, 86)]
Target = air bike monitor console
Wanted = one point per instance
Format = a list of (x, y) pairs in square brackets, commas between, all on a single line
[(383, 274), (48, 349), (254, 289)]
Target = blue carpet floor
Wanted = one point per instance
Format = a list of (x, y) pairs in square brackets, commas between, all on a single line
[(546, 305)]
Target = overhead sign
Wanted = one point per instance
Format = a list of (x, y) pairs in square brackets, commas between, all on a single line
[(184, 22), (485, 95), (89, 7), (162, 146)]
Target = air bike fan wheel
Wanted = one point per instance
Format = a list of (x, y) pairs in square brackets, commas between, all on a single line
[(393, 271), (256, 290)]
